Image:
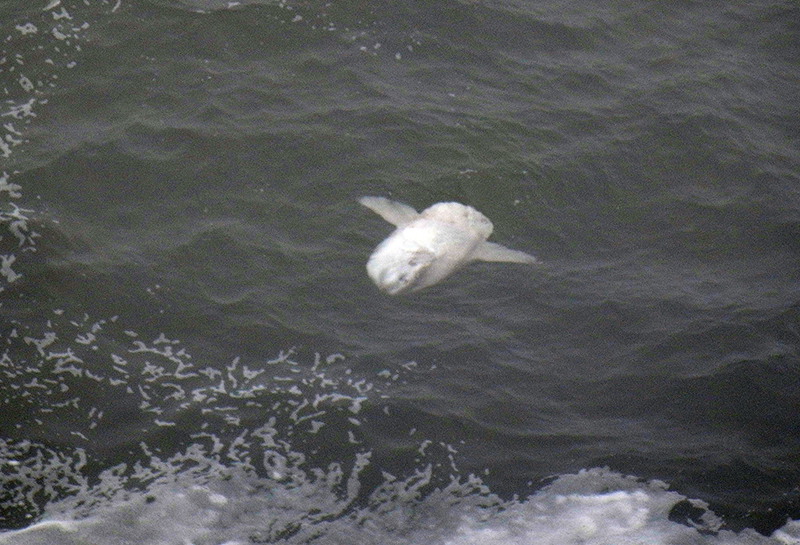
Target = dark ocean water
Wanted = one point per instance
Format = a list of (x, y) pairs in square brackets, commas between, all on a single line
[(191, 350)]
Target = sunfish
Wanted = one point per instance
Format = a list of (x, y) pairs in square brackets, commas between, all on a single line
[(431, 245)]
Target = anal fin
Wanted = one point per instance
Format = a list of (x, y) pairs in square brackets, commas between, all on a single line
[(489, 251)]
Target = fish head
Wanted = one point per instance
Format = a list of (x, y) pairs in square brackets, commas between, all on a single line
[(399, 267)]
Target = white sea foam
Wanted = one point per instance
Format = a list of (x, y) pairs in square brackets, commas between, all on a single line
[(231, 482), (32, 54), (301, 508)]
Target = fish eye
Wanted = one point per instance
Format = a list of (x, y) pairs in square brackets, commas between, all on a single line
[(418, 259)]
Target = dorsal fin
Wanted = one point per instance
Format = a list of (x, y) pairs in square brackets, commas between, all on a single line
[(394, 212)]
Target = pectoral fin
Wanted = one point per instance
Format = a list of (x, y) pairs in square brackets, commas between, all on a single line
[(489, 251), (392, 211)]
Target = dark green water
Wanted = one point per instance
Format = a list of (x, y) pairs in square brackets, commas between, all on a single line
[(178, 207)]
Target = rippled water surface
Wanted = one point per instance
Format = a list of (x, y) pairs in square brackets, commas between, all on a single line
[(191, 350)]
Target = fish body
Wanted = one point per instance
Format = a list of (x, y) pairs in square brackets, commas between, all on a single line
[(431, 245)]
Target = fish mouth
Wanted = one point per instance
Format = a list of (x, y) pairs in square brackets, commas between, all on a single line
[(393, 286), (392, 290), (390, 283)]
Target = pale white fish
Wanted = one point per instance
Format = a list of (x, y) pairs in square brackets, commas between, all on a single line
[(430, 245)]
